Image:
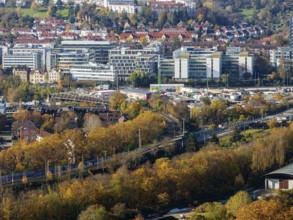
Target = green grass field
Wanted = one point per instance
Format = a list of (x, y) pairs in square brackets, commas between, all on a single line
[(41, 12), (248, 13)]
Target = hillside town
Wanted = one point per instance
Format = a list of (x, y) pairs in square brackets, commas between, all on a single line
[(146, 109)]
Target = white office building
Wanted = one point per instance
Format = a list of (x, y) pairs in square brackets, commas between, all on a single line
[(197, 63), (281, 52), (126, 60), (126, 7), (64, 59), (29, 50), (93, 72), (238, 63), (100, 48), (31, 60)]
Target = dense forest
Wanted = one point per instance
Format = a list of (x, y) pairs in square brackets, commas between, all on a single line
[(190, 178)]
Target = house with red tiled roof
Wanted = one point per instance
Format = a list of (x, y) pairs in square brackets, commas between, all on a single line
[(69, 36)]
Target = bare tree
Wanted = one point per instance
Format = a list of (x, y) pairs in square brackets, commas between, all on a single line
[(91, 121)]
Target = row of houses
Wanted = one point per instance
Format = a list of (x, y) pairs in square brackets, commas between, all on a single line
[(36, 76)]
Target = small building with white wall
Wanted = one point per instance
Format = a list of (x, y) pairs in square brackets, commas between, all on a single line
[(280, 179)]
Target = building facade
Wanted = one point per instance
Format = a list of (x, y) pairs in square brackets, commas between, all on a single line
[(38, 77), (280, 179), (64, 59), (126, 60), (92, 72), (54, 76), (28, 131), (22, 72), (280, 53), (197, 63), (100, 48), (31, 60), (126, 7), (291, 31)]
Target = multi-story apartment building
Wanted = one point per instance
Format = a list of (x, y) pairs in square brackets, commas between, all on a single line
[(54, 76), (32, 60), (64, 59), (37, 77), (126, 60), (22, 72), (93, 72), (100, 48)]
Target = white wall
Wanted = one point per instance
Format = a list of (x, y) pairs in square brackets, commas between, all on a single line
[(274, 184), (214, 67)]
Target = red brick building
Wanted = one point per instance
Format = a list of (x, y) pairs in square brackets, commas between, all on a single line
[(28, 131)]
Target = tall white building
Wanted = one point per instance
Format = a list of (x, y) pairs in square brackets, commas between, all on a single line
[(93, 72), (197, 63)]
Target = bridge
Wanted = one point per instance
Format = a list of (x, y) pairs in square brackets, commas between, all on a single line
[(78, 98)]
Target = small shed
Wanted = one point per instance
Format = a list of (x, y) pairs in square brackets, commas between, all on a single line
[(280, 179)]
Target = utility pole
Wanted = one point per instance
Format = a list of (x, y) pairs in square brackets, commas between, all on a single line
[(183, 126), (139, 138), (117, 82)]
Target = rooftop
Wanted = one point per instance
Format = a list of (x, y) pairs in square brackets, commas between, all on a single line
[(286, 170)]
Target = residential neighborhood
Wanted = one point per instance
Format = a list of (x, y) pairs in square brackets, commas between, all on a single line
[(146, 109)]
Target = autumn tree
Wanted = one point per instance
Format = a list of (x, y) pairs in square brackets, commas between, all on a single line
[(116, 100), (236, 202), (262, 209), (94, 212)]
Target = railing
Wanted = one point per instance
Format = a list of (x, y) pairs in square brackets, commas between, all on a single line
[(95, 164)]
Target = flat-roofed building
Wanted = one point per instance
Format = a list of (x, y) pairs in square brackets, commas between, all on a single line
[(197, 63), (237, 63), (100, 48), (64, 59), (31, 60), (167, 68), (126, 60), (93, 72)]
